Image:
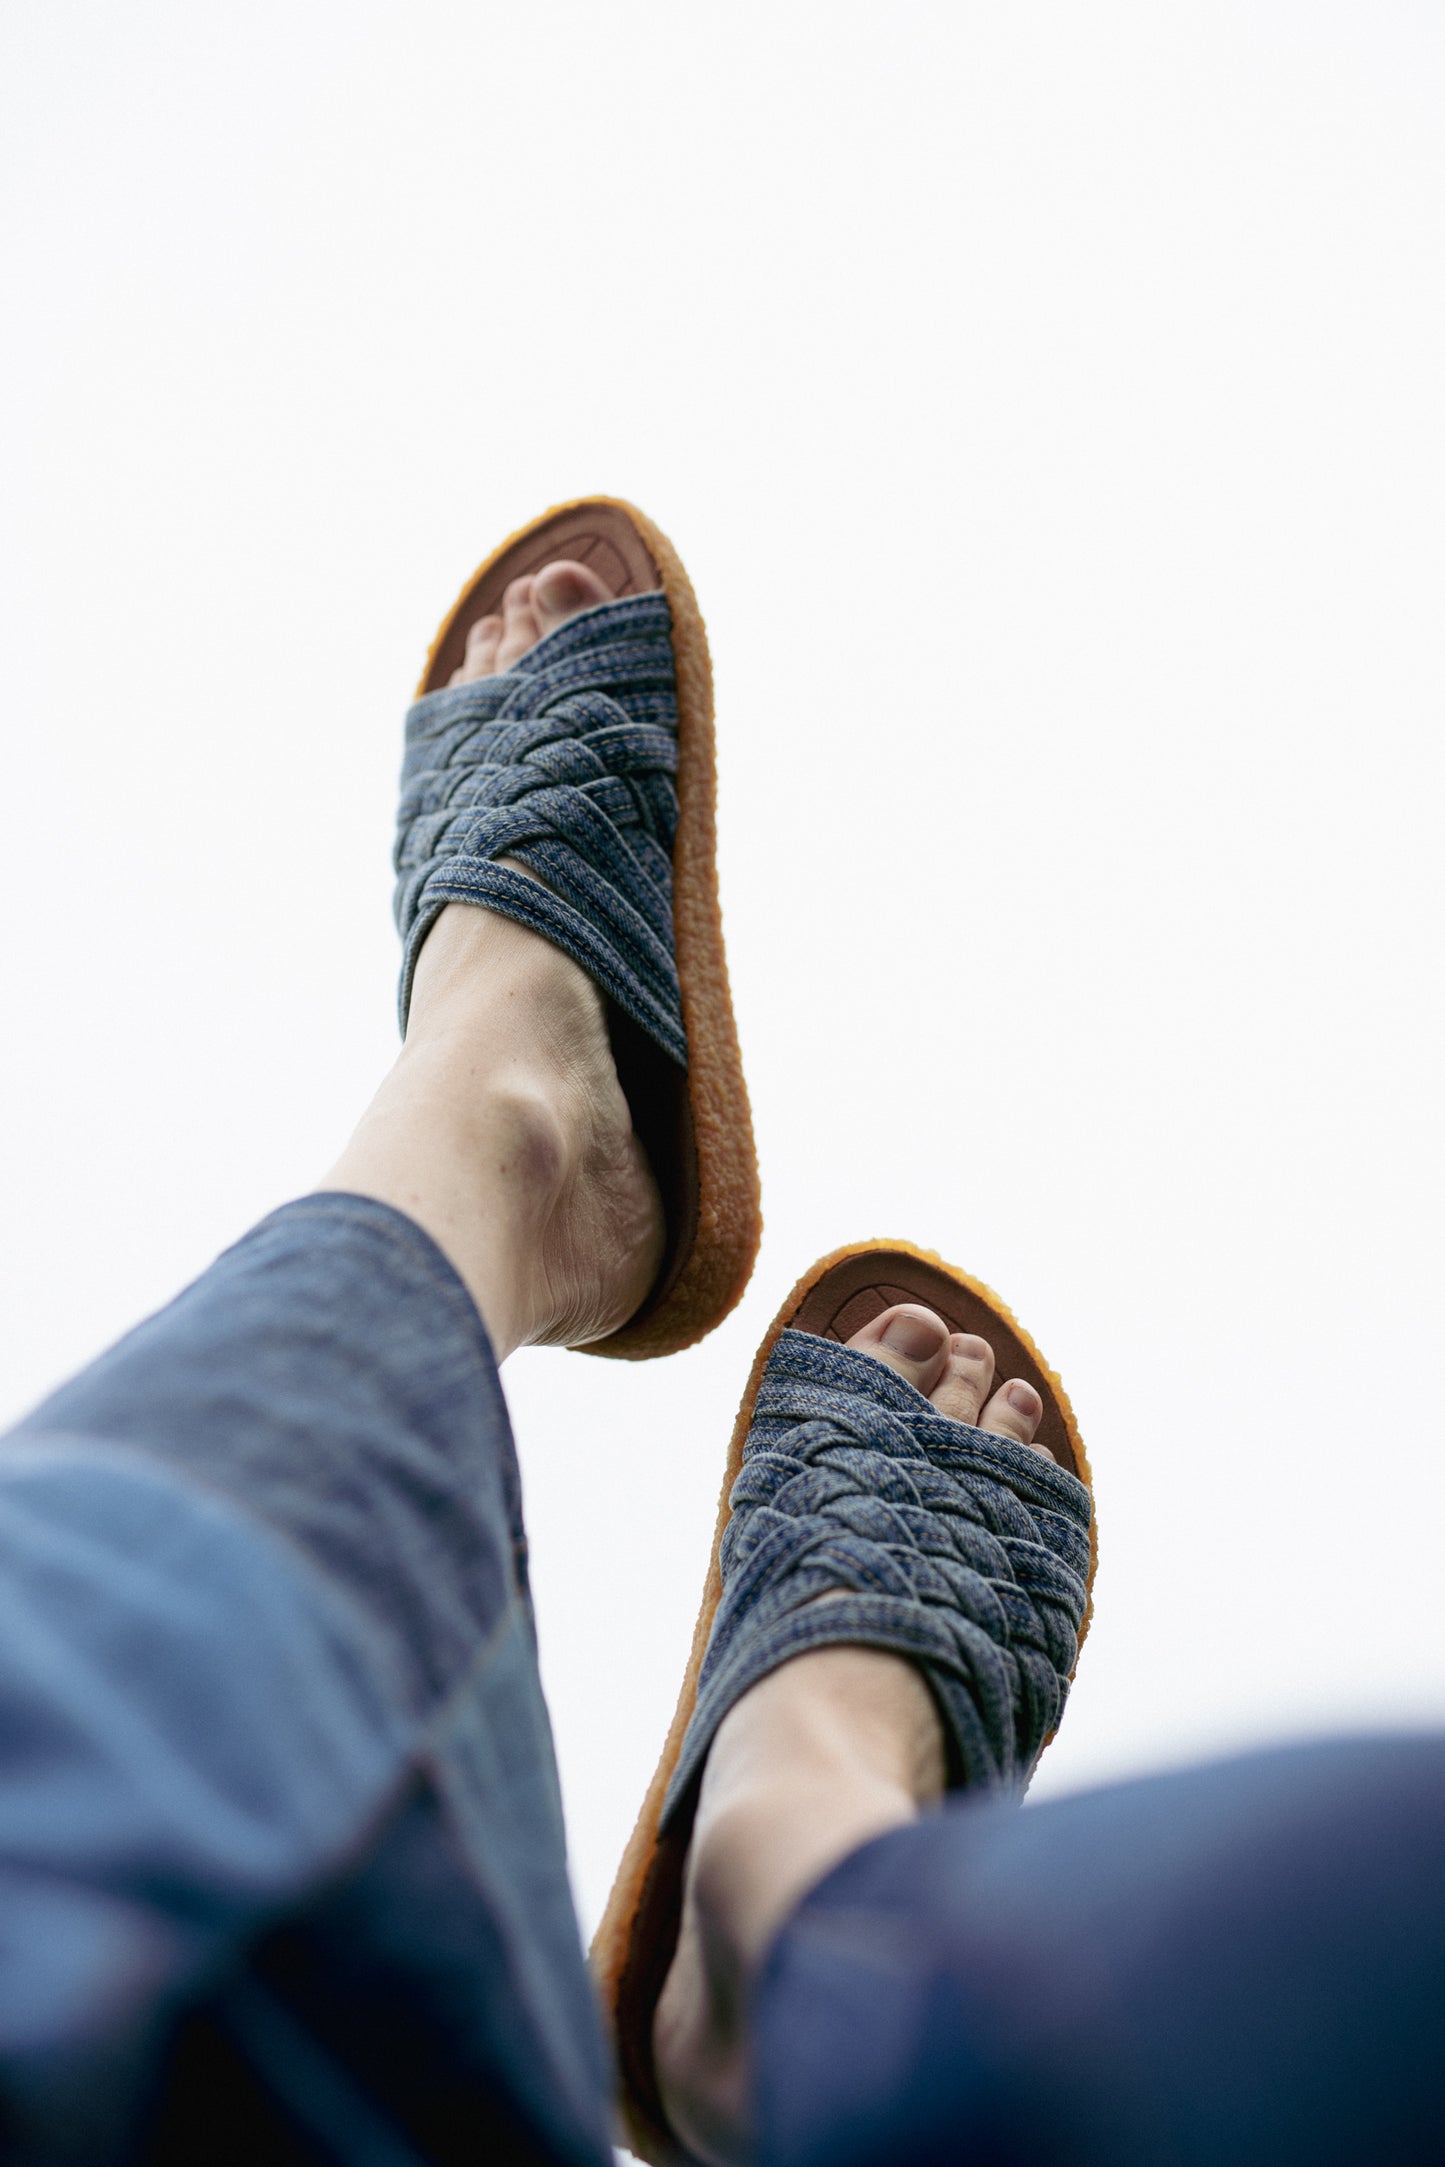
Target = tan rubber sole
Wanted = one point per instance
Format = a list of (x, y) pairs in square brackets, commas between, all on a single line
[(701, 1137), (634, 1944)]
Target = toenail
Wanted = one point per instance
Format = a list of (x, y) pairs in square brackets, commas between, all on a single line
[(914, 1337), (1024, 1398), (970, 1348)]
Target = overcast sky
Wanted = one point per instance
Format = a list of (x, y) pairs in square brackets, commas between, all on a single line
[(1046, 400)]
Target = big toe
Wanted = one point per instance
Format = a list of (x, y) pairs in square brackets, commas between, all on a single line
[(560, 590), (910, 1339)]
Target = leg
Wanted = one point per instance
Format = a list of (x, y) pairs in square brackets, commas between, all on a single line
[(1234, 1966), (503, 1129), (277, 1805), (832, 1749), (1237, 1965), (279, 1829)]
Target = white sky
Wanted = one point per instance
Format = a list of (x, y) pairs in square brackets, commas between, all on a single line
[(1047, 403)]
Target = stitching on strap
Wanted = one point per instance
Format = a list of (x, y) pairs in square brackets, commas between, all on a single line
[(567, 762), (937, 1540)]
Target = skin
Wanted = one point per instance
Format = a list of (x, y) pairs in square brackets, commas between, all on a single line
[(503, 1131)]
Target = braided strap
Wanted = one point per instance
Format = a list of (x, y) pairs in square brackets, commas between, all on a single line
[(566, 762), (937, 1541)]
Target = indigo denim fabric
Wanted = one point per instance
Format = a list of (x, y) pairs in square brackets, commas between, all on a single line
[(282, 1872), (957, 1548), (1240, 1965), (282, 1875), (566, 762)]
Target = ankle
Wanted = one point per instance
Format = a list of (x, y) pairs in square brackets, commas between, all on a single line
[(491, 1177), (503, 1131), (832, 1749), (824, 1753)]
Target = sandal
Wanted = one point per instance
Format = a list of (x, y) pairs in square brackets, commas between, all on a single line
[(966, 1552), (591, 762)]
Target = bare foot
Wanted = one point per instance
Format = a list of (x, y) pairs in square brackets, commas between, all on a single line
[(503, 1129), (531, 608), (827, 1751)]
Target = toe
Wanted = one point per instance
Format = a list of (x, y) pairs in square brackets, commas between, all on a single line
[(531, 607), (483, 641), (483, 638), (911, 1340), (561, 589), (966, 1379), (1015, 1411), (520, 629)]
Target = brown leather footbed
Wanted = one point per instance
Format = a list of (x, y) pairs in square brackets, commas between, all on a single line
[(700, 1138), (634, 1944)]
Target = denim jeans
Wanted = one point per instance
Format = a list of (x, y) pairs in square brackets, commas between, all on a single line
[(280, 1833), (282, 1873), (1240, 1965)]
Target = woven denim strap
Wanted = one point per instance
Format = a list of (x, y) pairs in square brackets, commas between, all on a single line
[(950, 1545), (566, 762)]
